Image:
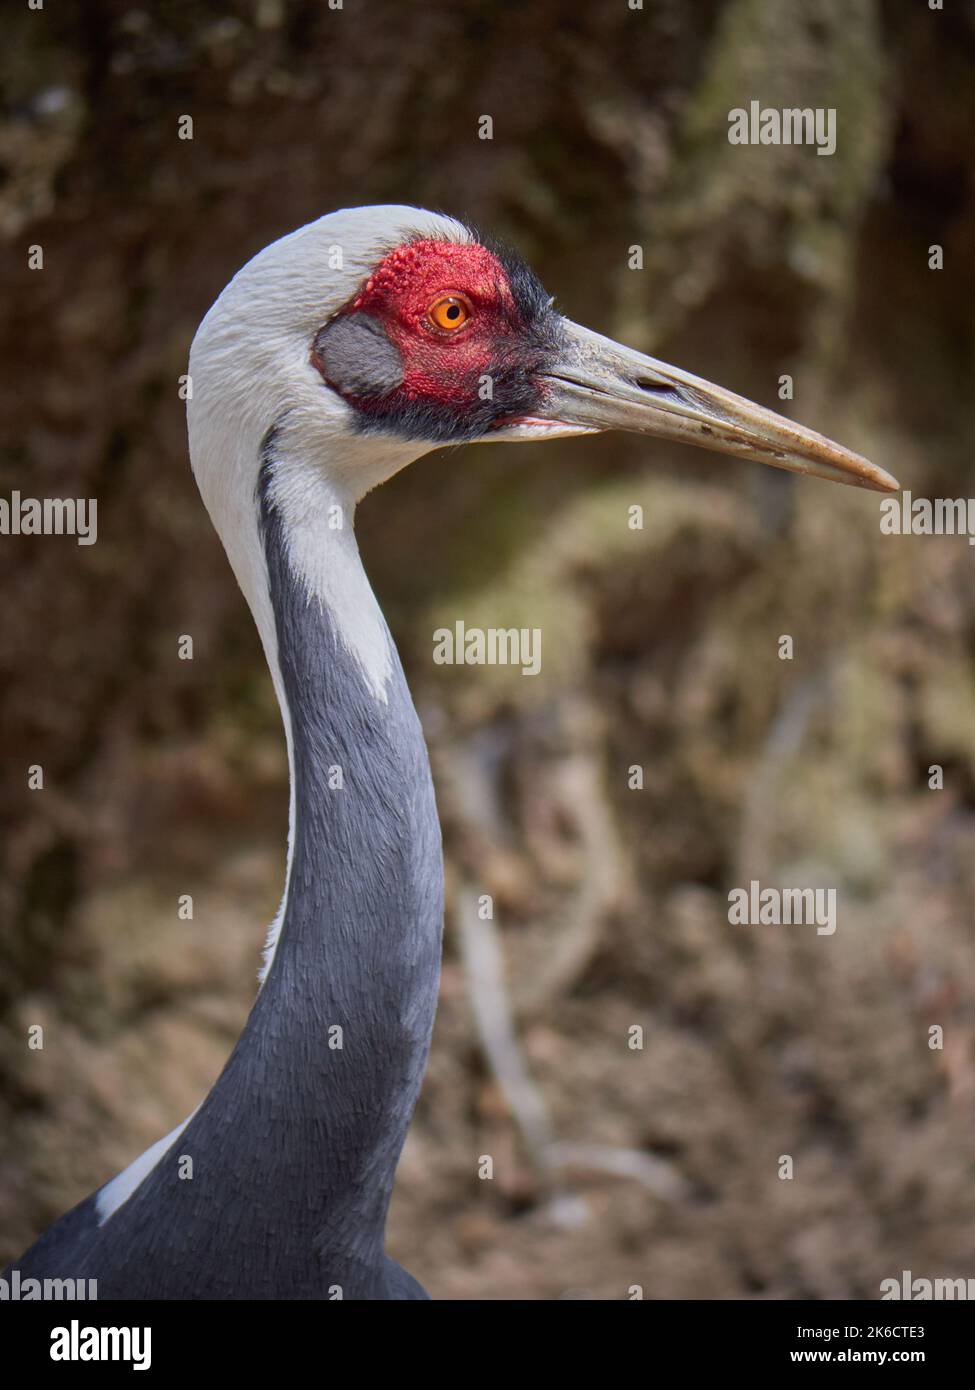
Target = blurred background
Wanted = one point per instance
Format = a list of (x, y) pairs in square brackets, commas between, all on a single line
[(660, 646)]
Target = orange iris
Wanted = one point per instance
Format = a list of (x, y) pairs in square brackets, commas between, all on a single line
[(448, 313)]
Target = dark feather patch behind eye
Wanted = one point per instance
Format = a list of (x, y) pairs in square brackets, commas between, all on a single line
[(355, 356)]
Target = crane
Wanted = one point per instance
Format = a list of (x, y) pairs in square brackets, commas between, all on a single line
[(335, 357)]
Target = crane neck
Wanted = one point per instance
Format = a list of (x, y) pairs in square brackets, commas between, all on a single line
[(295, 1148), (333, 1053)]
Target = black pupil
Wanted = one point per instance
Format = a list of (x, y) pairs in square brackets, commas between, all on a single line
[(454, 311)]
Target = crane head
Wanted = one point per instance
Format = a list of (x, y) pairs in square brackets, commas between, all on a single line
[(380, 333), (452, 340), (351, 347)]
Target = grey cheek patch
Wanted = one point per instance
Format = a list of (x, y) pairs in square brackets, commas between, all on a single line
[(355, 356)]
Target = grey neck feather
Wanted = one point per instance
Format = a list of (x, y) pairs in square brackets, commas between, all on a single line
[(359, 948), (357, 960)]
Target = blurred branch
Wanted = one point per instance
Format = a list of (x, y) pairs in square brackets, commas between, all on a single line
[(484, 968)]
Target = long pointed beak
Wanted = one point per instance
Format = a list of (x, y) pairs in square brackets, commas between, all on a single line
[(596, 384)]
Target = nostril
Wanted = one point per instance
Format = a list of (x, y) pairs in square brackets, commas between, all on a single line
[(659, 389)]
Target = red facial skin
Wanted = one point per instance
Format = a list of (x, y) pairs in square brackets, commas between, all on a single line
[(442, 367)]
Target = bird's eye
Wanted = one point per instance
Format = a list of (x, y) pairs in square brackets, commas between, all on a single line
[(448, 313)]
